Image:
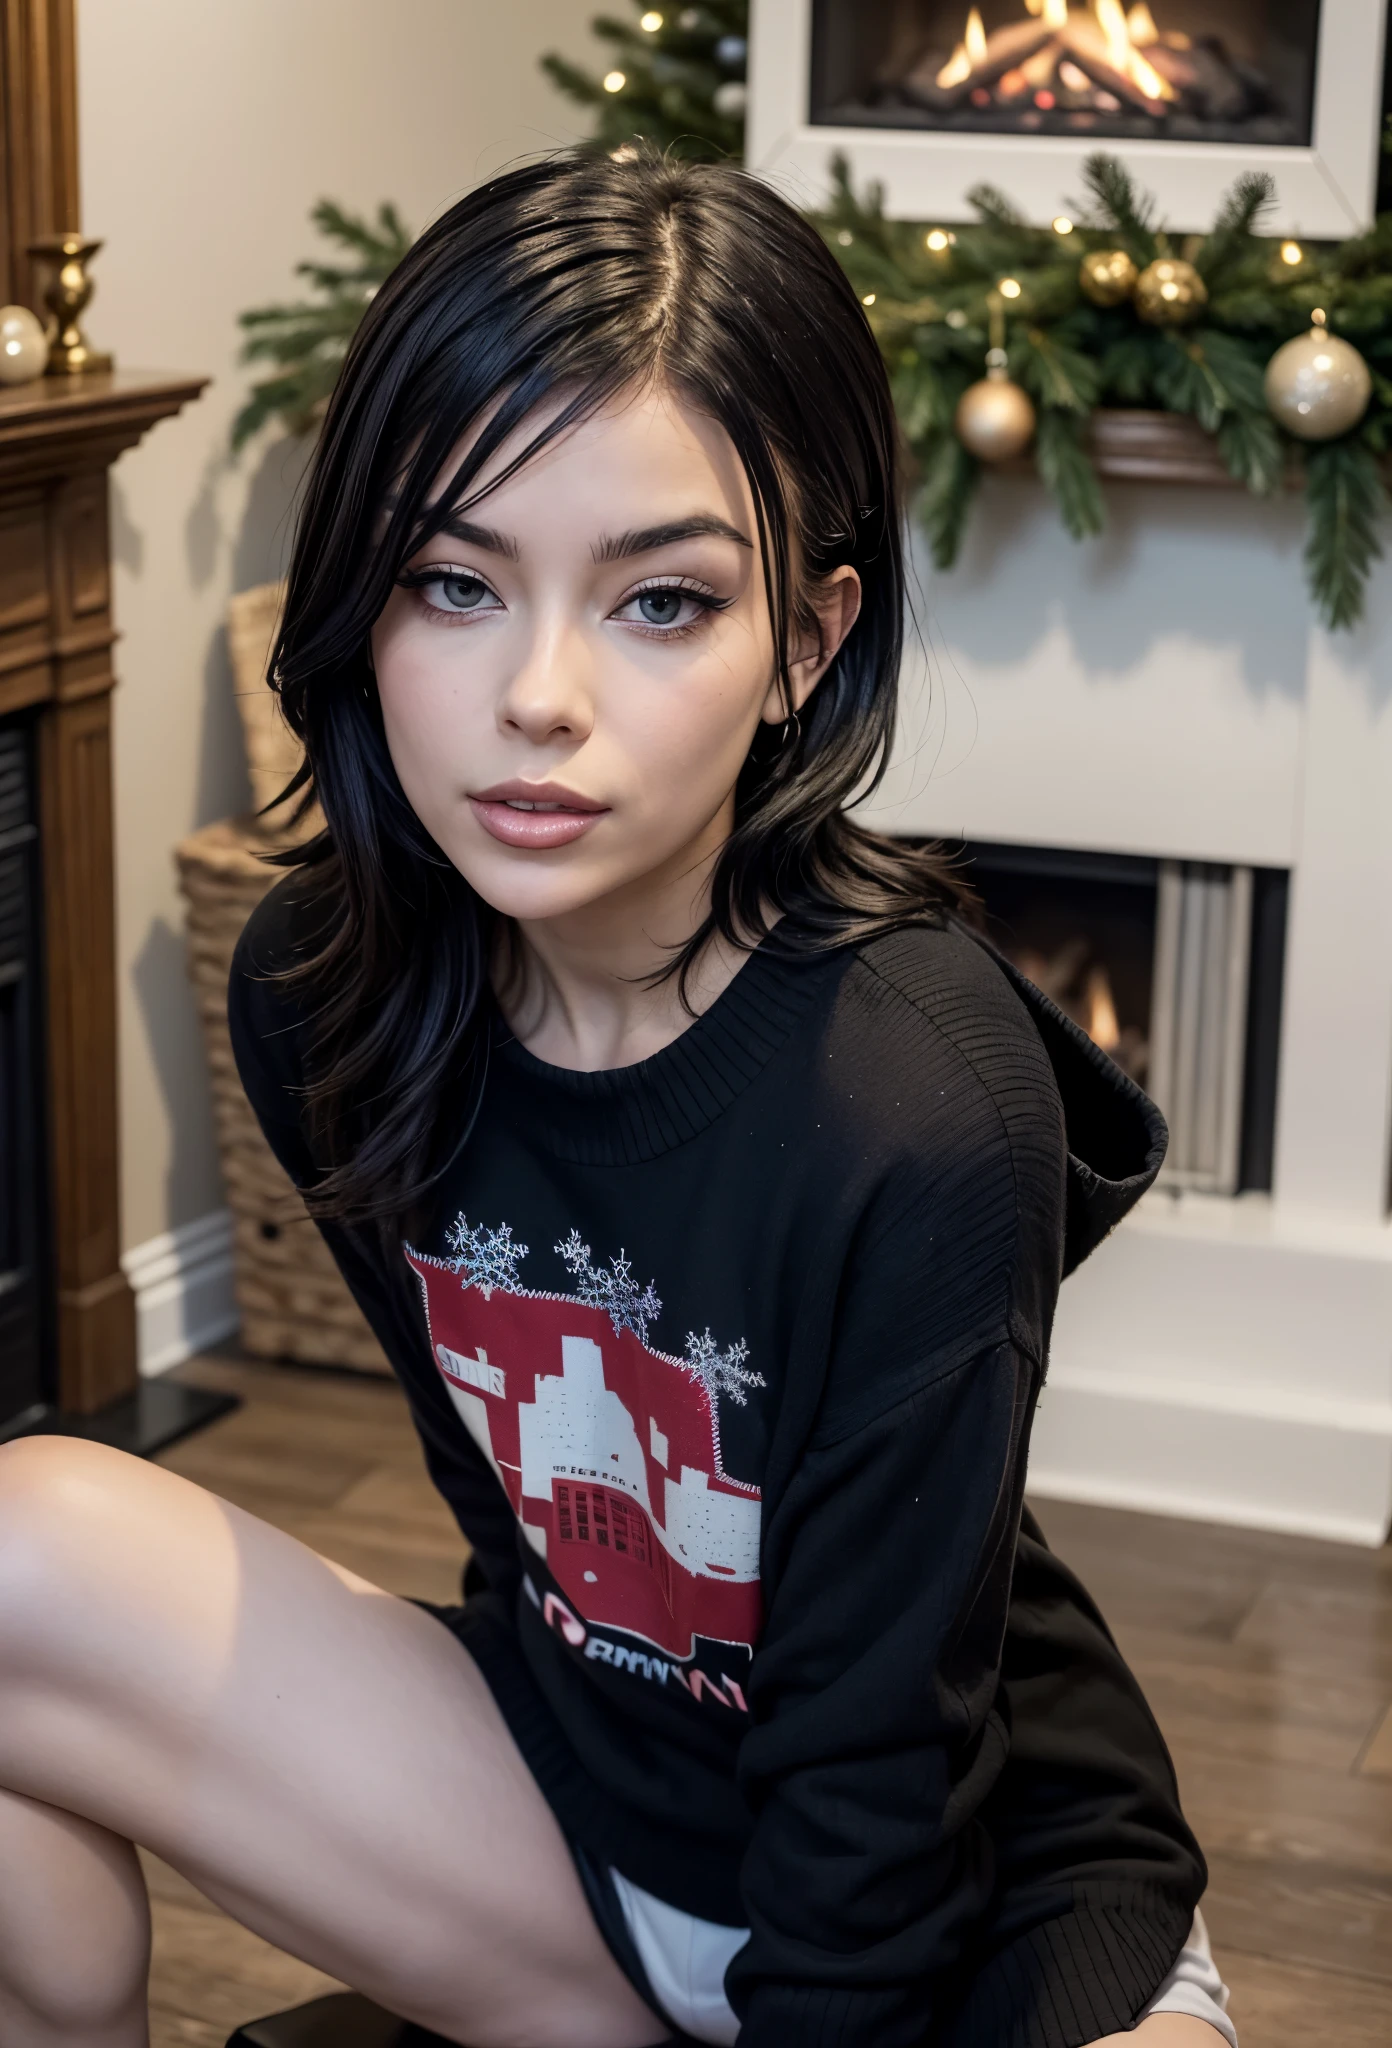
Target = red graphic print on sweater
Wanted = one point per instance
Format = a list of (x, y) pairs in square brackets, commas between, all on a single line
[(608, 1450)]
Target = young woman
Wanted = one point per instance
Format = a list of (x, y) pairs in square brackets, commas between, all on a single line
[(709, 1187)]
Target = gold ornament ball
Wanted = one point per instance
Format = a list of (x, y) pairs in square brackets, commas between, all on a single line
[(1318, 386), (23, 346), (995, 418), (1170, 292), (1107, 276)]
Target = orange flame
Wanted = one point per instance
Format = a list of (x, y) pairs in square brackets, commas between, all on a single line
[(1103, 1027)]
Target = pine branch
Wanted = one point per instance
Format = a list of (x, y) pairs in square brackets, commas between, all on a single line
[(308, 341), (1053, 373), (1066, 468), (1118, 206), (950, 477), (1230, 241), (572, 81), (1253, 452), (1346, 503)]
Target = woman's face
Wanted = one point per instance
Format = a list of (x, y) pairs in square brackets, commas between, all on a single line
[(571, 673)]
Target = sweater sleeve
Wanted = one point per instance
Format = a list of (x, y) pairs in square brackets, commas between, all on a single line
[(876, 1734), (875, 1737), (266, 1038)]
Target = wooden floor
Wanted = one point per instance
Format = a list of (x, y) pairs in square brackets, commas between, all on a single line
[(1268, 1661)]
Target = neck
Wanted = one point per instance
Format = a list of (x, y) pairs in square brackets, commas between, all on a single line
[(578, 990)]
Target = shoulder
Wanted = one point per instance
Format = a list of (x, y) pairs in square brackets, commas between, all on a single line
[(931, 1015), (949, 1122)]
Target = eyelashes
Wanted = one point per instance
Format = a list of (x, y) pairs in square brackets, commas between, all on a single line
[(464, 591), (662, 608), (670, 594)]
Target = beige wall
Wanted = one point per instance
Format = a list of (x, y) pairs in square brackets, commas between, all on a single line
[(208, 129)]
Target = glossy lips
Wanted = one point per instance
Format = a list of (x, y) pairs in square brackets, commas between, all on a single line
[(560, 816)]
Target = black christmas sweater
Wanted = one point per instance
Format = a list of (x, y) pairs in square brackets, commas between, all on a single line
[(726, 1363)]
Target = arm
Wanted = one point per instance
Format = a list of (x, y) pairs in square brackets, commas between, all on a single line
[(875, 1742), (1085, 1821)]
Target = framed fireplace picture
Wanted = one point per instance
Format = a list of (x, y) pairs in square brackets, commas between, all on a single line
[(932, 97)]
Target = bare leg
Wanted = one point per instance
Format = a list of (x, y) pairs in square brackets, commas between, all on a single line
[(90, 1987), (1166, 2030), (319, 1758)]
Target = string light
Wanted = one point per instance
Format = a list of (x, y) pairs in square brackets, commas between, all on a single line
[(1009, 287), (614, 81), (936, 239), (868, 300), (1062, 224), (1292, 253), (845, 238), (651, 22)]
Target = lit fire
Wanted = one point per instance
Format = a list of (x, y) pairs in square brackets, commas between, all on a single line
[(1102, 1026), (1096, 50)]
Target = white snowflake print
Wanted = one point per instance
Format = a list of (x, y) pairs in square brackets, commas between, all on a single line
[(721, 1372), (485, 1258), (612, 1288)]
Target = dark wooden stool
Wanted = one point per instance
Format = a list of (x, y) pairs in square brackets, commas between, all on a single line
[(343, 2020)]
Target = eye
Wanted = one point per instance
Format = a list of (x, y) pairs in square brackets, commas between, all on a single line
[(667, 608), (452, 590), (660, 607)]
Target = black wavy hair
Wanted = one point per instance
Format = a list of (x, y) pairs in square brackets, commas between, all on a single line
[(574, 279)]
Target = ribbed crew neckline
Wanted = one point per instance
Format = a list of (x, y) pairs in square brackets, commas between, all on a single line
[(620, 1116)]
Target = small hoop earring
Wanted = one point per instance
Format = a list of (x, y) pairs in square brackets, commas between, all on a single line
[(795, 735)]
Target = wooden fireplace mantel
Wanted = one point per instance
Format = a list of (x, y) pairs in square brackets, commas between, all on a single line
[(58, 437)]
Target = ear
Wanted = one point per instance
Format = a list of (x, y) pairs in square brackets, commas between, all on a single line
[(836, 607)]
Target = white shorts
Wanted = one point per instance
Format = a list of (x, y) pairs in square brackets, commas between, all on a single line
[(686, 1960)]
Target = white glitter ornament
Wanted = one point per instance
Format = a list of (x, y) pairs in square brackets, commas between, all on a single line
[(1318, 386)]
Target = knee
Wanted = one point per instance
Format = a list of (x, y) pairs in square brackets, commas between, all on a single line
[(60, 1502)]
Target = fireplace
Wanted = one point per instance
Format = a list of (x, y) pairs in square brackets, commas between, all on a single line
[(67, 1317), (930, 98), (1175, 969), (1184, 70)]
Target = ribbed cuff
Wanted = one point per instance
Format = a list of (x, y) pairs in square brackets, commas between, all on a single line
[(1076, 1978)]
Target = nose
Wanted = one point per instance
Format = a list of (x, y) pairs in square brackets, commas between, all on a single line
[(550, 695)]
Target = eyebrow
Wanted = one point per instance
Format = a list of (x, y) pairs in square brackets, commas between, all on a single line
[(486, 537), (642, 540)]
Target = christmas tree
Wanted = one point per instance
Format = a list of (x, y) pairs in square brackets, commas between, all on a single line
[(676, 79)]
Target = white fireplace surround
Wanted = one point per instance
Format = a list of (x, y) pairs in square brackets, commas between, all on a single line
[(1325, 190), (1164, 691)]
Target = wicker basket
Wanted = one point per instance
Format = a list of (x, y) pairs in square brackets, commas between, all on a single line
[(272, 751), (293, 1301)]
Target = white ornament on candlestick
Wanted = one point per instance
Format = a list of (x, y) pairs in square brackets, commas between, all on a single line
[(23, 346)]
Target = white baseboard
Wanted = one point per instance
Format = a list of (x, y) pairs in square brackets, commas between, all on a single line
[(182, 1282), (1308, 1468), (1220, 1362)]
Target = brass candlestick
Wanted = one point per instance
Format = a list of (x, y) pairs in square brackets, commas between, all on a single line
[(67, 296)]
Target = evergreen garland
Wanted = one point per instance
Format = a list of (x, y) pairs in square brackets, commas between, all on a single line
[(676, 80), (926, 293), (307, 342)]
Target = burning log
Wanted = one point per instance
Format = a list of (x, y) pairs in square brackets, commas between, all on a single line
[(940, 82), (1101, 58)]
